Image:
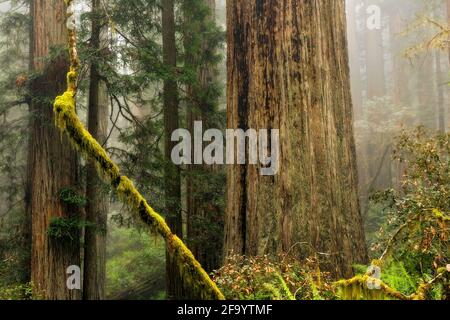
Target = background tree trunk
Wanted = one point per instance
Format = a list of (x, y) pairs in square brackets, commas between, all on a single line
[(288, 70), (54, 164), (357, 94), (448, 20), (376, 88), (440, 93), (354, 55), (400, 67), (97, 208), (171, 123), (376, 78), (426, 113), (202, 213)]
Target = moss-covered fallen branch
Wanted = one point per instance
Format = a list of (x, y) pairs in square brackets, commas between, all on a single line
[(68, 122), (357, 288)]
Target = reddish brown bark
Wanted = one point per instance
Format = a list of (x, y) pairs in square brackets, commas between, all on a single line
[(54, 164), (97, 208), (288, 70), (203, 215), (171, 123)]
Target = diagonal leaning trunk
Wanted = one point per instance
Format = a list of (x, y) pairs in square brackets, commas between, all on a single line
[(288, 70)]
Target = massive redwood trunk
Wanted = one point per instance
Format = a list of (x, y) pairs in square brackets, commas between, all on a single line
[(54, 164), (288, 70), (97, 207)]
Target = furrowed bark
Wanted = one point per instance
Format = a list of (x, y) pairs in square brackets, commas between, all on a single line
[(288, 70), (54, 164), (171, 123), (97, 207)]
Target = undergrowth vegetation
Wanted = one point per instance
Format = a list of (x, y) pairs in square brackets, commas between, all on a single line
[(411, 249), (135, 265)]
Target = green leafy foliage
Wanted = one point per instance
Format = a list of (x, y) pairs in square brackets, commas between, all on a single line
[(398, 277), (266, 278), (67, 228), (417, 230), (413, 243), (17, 292), (14, 241), (72, 197)]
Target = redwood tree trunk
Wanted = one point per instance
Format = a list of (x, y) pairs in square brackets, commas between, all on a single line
[(440, 93), (427, 115), (400, 94), (448, 20), (357, 94), (205, 241), (376, 88), (288, 70), (171, 123), (54, 164), (354, 58), (376, 78), (97, 208)]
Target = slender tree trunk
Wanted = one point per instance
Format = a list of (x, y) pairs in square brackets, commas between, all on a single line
[(202, 213), (376, 88), (97, 208), (29, 163), (440, 93), (357, 95), (448, 26), (427, 115), (401, 94), (171, 123), (354, 58), (376, 78), (288, 70), (54, 164)]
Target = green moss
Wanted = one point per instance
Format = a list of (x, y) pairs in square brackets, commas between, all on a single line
[(270, 292), (69, 228), (67, 121), (286, 292), (190, 270), (18, 292), (357, 289), (441, 216)]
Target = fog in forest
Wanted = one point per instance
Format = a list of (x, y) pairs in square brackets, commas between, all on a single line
[(398, 54), (399, 79)]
